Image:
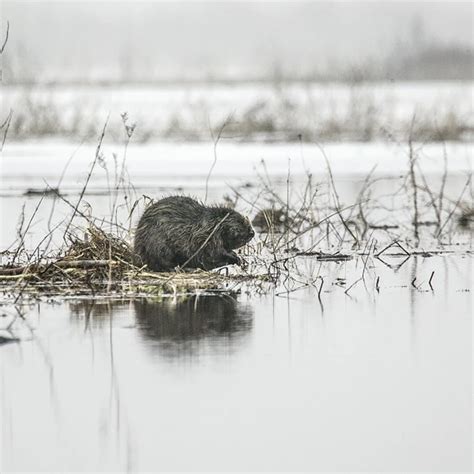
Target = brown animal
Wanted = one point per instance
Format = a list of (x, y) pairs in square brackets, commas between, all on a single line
[(180, 231)]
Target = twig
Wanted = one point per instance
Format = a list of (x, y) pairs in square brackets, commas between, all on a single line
[(6, 124), (453, 210), (412, 160), (216, 141), (363, 271), (443, 180), (431, 279), (60, 264), (57, 193), (336, 195), (391, 245), (6, 38), (320, 289), (97, 154), (24, 232), (317, 224), (206, 241)]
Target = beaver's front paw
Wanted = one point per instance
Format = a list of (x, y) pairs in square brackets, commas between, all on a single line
[(233, 259)]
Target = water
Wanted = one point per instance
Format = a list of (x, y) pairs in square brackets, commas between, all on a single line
[(372, 380), (367, 382)]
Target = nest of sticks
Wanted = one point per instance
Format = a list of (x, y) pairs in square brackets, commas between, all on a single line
[(102, 264)]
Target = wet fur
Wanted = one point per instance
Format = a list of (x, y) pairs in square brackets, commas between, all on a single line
[(173, 229)]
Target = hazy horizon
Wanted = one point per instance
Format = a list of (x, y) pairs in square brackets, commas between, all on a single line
[(82, 40)]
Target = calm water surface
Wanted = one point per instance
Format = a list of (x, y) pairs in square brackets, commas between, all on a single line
[(367, 382)]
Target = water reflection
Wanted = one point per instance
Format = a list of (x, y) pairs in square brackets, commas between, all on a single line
[(174, 326), (193, 323), (153, 377), (97, 312)]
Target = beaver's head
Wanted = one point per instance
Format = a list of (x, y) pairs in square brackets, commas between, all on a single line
[(236, 230)]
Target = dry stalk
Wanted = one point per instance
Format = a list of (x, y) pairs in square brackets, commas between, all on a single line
[(216, 141), (97, 155)]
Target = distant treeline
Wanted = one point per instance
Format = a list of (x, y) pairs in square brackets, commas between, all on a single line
[(435, 63), (430, 63)]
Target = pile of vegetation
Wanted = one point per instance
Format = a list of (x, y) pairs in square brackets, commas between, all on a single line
[(101, 264)]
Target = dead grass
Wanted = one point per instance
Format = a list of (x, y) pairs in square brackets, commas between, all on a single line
[(280, 119), (101, 264)]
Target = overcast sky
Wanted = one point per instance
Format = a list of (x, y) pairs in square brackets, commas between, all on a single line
[(90, 39)]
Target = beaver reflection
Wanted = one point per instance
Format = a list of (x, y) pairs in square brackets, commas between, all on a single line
[(181, 325)]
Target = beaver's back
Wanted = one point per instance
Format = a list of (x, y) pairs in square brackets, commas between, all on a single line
[(166, 230), (176, 208)]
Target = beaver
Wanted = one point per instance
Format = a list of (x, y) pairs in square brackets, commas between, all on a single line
[(268, 219), (180, 231)]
